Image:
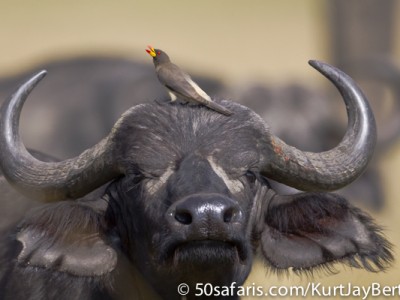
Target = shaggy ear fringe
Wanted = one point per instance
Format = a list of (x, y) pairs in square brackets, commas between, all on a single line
[(375, 261), (308, 211), (378, 261), (66, 237), (59, 220)]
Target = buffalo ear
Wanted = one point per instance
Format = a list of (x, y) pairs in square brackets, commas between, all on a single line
[(66, 237), (309, 230)]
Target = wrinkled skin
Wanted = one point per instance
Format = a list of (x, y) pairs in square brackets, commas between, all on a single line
[(131, 217), (182, 195), (193, 175), (318, 128), (111, 85)]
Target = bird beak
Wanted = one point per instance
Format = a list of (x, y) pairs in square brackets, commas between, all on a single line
[(151, 51)]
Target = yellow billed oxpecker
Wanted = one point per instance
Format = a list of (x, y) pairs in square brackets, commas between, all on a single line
[(179, 84)]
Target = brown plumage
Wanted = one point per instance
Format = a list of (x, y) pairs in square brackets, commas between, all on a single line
[(179, 84)]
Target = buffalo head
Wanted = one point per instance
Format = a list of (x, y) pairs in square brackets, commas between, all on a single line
[(187, 196)]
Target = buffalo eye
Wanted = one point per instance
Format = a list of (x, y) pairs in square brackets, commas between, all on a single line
[(136, 178), (251, 177)]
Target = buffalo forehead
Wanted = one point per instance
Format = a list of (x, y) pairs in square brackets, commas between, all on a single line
[(158, 140)]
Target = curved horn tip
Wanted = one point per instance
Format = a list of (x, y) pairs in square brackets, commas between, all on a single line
[(320, 66), (32, 82), (332, 73), (38, 77), (335, 75)]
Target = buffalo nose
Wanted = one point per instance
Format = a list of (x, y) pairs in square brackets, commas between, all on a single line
[(205, 211)]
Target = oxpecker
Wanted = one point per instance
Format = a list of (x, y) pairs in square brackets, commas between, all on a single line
[(179, 84)]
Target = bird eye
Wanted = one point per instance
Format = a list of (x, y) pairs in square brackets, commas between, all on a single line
[(158, 52)]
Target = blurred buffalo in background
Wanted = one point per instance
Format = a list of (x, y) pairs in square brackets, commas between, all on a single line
[(362, 44), (84, 96), (185, 198), (98, 69)]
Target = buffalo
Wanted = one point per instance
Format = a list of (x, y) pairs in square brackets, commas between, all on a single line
[(110, 85), (180, 194), (319, 128)]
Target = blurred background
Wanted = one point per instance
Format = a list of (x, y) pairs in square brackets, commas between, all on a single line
[(253, 52)]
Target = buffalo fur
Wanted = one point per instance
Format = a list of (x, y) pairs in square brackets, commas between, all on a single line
[(57, 231), (126, 241), (325, 228)]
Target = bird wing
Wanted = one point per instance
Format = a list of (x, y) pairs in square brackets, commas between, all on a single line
[(179, 82)]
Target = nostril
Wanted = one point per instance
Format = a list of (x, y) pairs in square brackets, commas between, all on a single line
[(200, 212), (230, 215), (183, 217)]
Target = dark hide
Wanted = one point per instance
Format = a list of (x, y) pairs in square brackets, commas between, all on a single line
[(112, 85), (108, 85), (318, 128), (312, 229), (192, 207), (51, 243), (13, 204)]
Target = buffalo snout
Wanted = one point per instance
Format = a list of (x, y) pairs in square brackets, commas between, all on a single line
[(213, 223), (205, 216)]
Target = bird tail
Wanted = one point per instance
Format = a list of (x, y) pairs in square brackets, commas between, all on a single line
[(219, 108)]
